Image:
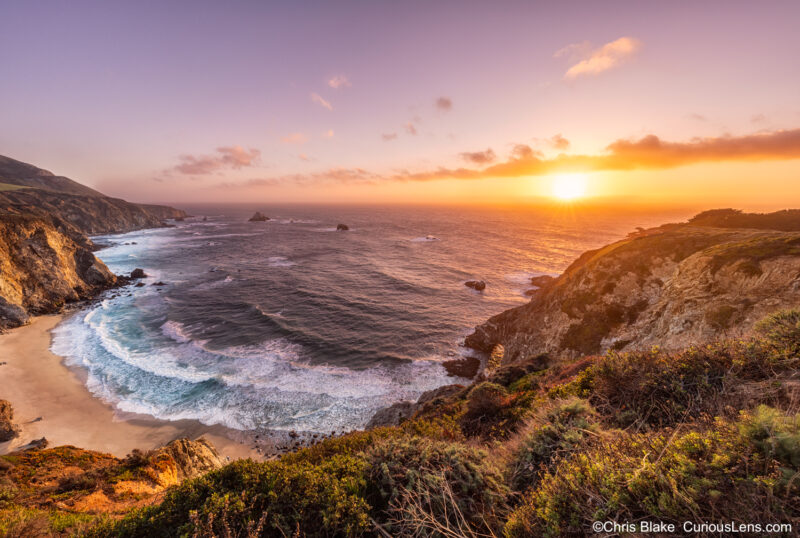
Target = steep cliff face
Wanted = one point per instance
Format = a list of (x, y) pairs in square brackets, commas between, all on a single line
[(45, 255), (42, 268), (673, 286)]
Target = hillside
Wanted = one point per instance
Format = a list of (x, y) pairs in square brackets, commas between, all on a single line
[(45, 253), (92, 212), (18, 173), (672, 286), (42, 268)]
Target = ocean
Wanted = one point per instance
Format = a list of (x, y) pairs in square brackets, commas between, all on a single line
[(290, 324)]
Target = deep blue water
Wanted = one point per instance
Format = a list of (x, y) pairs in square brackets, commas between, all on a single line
[(290, 324)]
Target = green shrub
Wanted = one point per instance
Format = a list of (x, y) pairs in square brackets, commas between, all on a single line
[(561, 429), (493, 413), (714, 475), (416, 484), (781, 330), (659, 389), (775, 434), (278, 497)]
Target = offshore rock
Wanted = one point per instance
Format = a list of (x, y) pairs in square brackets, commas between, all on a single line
[(478, 285), (258, 217)]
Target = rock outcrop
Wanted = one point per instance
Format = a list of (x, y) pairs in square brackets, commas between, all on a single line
[(191, 458), (8, 429), (342, 227), (258, 217), (42, 269), (70, 480), (672, 286), (477, 285)]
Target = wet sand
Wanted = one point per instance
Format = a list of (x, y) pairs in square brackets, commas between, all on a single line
[(51, 400)]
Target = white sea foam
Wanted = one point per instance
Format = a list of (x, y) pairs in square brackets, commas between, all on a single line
[(279, 261), (266, 385), (425, 239)]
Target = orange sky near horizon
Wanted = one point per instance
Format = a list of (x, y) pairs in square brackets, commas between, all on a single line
[(655, 104)]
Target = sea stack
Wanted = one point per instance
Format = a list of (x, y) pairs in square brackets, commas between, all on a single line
[(259, 217)]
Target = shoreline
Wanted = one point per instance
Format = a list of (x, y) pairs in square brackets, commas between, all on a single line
[(51, 400)]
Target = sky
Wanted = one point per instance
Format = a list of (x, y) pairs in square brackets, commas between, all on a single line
[(502, 102)]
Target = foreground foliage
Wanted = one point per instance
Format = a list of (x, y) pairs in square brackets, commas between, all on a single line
[(539, 448)]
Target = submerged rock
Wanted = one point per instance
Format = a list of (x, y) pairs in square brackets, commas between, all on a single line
[(258, 217), (342, 227), (478, 285), (8, 429)]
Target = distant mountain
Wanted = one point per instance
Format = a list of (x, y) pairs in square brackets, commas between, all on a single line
[(28, 190)]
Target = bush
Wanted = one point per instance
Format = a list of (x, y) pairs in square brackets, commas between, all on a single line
[(277, 497), (416, 484), (774, 434), (713, 475), (782, 331), (659, 389), (492, 412), (561, 429)]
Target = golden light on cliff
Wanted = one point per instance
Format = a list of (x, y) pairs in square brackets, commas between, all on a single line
[(569, 186)]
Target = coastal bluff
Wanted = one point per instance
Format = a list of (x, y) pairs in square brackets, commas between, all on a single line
[(46, 258), (671, 286)]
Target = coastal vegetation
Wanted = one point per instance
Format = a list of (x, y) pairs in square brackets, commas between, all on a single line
[(537, 448)]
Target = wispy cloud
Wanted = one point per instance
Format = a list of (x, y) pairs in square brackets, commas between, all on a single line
[(328, 133), (411, 129), (389, 136), (226, 157), (444, 103), (316, 98), (479, 157), (295, 138), (339, 81), (356, 176), (599, 60), (647, 153)]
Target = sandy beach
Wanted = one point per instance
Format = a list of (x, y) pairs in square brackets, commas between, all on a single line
[(50, 400)]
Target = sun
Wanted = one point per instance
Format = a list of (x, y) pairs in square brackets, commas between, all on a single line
[(569, 186)]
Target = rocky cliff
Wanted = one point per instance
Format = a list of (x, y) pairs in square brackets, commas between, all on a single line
[(42, 268), (46, 257), (672, 286)]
